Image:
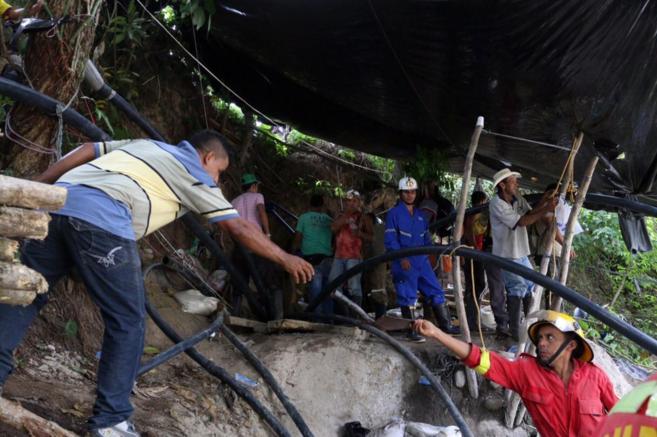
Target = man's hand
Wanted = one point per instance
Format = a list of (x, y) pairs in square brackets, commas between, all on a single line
[(405, 264), (426, 328), (301, 271)]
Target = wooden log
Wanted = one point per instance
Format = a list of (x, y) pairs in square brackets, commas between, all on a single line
[(28, 194), (23, 223), (17, 297), (20, 277), (8, 250), (570, 227), (14, 415), (515, 411), (470, 375)]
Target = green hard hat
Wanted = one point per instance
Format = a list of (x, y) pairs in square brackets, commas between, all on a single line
[(249, 178)]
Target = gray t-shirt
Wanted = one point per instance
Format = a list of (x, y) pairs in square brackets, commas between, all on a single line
[(509, 240)]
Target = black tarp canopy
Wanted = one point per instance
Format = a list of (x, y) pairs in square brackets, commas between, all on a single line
[(393, 76)]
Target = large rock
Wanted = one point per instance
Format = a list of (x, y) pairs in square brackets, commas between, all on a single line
[(602, 359)]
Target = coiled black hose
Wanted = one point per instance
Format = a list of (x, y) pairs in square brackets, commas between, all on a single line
[(621, 326), (435, 383), (214, 369), (269, 379)]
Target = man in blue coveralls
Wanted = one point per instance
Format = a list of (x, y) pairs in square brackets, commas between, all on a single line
[(407, 227)]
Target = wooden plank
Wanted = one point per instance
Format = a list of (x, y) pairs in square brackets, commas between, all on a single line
[(291, 325), (28, 194), (246, 323)]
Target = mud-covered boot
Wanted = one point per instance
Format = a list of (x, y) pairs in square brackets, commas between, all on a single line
[(444, 320), (408, 313), (514, 307)]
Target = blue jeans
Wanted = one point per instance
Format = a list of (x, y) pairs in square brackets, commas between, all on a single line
[(339, 267), (320, 279), (516, 285), (111, 270)]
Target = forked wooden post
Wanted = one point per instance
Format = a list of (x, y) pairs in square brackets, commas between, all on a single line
[(471, 377), (570, 227), (515, 411)]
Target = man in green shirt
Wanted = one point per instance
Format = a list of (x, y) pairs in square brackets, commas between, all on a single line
[(313, 235)]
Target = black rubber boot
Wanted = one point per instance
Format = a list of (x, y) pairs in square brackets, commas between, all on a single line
[(444, 320), (408, 313), (526, 302), (514, 307)]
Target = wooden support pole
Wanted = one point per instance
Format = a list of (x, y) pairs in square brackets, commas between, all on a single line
[(14, 415), (28, 194), (8, 250), (515, 411), (23, 223), (471, 376), (570, 227)]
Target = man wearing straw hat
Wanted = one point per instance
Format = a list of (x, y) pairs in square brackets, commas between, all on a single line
[(510, 214)]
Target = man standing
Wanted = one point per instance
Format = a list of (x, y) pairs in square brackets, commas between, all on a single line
[(350, 229), (510, 214), (565, 394), (250, 205), (407, 227), (118, 192), (313, 236)]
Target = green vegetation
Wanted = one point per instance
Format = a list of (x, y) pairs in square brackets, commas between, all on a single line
[(602, 268)]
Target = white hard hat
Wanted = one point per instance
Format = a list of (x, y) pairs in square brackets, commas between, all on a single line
[(407, 183)]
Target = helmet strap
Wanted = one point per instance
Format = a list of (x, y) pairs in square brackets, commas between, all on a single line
[(555, 355)]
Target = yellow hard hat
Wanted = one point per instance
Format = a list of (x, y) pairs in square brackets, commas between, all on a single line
[(564, 323)]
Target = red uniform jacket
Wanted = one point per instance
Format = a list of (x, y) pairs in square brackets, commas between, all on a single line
[(556, 411)]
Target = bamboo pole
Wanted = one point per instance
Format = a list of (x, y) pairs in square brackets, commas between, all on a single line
[(515, 411), (471, 376), (28, 194), (17, 297), (570, 227), (20, 277), (14, 415)]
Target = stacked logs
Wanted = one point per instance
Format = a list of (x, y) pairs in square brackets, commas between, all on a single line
[(23, 214)]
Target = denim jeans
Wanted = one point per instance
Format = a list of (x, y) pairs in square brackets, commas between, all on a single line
[(320, 279), (339, 267), (111, 270), (516, 285)]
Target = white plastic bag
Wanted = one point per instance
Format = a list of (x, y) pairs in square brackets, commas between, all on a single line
[(194, 302)]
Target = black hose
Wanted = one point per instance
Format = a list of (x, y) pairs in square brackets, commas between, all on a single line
[(48, 105), (591, 199), (181, 347), (621, 326), (269, 379), (130, 111), (435, 383), (205, 238), (214, 369)]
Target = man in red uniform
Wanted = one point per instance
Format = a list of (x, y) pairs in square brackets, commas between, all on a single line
[(565, 394)]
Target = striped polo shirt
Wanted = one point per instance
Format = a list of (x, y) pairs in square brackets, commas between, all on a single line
[(152, 182)]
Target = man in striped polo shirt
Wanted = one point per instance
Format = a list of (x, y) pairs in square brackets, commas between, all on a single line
[(118, 192)]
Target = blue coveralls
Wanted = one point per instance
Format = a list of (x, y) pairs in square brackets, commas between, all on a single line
[(402, 231)]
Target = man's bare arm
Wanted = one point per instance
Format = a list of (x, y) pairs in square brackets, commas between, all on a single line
[(459, 348), (253, 239), (77, 157), (262, 213), (535, 214)]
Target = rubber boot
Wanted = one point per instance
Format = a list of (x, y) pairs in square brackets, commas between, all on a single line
[(444, 321), (408, 313), (526, 303), (514, 306)]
